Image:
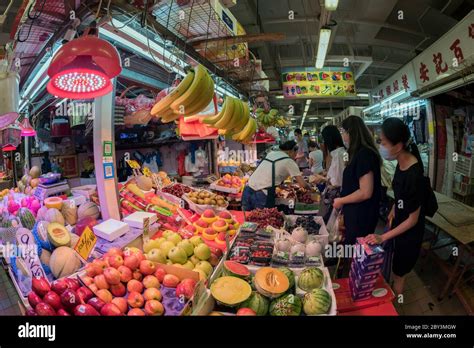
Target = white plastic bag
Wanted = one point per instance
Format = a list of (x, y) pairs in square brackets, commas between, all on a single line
[(333, 226)]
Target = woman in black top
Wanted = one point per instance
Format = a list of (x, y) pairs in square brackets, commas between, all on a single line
[(408, 221), (361, 183)]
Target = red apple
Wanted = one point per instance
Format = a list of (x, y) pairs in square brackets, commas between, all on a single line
[(44, 309), (93, 269), (154, 307), (70, 299), (85, 310), (131, 261), (147, 267), (170, 281), (246, 312), (53, 299), (104, 295), (151, 282), (160, 274), (137, 275), (118, 290), (40, 286), (121, 303), (34, 299), (72, 283), (85, 294), (135, 299), (135, 286), (125, 274), (87, 280), (101, 282), (115, 261), (101, 264), (30, 312), (216, 251), (213, 260), (110, 309), (186, 288), (62, 313), (136, 312), (59, 286), (112, 276), (114, 251), (152, 294), (97, 303)]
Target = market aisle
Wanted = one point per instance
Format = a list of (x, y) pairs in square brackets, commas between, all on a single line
[(8, 296)]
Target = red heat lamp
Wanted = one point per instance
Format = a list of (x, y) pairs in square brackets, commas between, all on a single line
[(26, 129), (8, 148), (83, 69)]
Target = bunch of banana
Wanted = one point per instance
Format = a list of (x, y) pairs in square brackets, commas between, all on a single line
[(267, 119), (191, 96)]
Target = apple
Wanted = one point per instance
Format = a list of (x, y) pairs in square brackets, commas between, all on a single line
[(118, 290), (178, 255), (30, 312), (44, 309), (53, 299), (205, 266), (87, 280), (121, 303), (135, 299), (160, 274), (147, 267), (213, 260), (101, 263), (70, 299), (101, 282), (194, 259), (166, 246), (93, 269), (134, 251), (152, 294), (62, 313), (151, 281), (156, 255), (152, 244), (112, 275), (34, 299), (196, 240), (170, 281), (97, 303), (59, 286), (114, 251), (93, 288), (154, 307), (137, 275), (167, 233), (40, 286), (72, 283), (85, 294), (110, 309), (189, 265), (187, 246), (136, 312), (131, 261), (202, 251), (135, 286), (105, 295), (186, 288), (174, 238), (125, 274), (85, 310), (115, 261)]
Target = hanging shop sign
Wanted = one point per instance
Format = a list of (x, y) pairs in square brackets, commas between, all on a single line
[(312, 83), (403, 80), (452, 53)]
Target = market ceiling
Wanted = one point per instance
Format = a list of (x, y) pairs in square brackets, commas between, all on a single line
[(368, 32)]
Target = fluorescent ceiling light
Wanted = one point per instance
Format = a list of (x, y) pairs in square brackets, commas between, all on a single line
[(328, 118), (279, 97), (324, 36), (385, 101), (306, 108), (331, 5), (308, 101), (363, 95)]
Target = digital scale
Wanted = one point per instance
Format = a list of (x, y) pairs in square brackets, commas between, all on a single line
[(44, 191)]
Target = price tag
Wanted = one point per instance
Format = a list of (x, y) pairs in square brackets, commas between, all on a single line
[(146, 230), (146, 171), (86, 244), (133, 164)]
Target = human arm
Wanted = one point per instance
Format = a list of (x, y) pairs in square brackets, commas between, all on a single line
[(366, 188), (301, 183)]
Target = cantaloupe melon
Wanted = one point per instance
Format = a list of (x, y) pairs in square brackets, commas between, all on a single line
[(41, 214), (271, 282), (53, 202), (88, 209), (54, 215), (35, 172), (144, 183), (230, 291), (69, 211), (64, 261), (58, 235)]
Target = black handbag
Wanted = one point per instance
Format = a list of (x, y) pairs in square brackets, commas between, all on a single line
[(430, 204)]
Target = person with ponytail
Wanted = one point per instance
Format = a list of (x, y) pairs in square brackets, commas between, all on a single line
[(406, 216), (361, 182)]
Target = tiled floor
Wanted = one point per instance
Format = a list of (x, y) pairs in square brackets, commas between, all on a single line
[(8, 295)]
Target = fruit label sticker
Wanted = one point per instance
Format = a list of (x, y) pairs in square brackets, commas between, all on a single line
[(86, 244), (146, 230)]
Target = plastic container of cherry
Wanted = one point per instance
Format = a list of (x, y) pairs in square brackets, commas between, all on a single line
[(261, 253), (240, 254)]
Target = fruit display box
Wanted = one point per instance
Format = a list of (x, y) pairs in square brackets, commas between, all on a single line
[(137, 219), (200, 208), (220, 188), (111, 229)]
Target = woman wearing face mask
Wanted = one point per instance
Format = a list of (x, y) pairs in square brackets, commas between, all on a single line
[(408, 220), (361, 183)]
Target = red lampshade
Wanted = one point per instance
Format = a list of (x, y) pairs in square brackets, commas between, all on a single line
[(26, 129), (8, 148), (83, 68)]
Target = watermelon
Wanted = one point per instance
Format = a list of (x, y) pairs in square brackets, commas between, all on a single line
[(311, 278), (235, 269), (290, 275), (257, 302), (27, 218), (286, 305), (317, 301)]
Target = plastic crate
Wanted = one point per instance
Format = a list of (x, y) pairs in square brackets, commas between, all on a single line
[(465, 166)]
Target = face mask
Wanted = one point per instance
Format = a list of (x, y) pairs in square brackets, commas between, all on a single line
[(386, 154)]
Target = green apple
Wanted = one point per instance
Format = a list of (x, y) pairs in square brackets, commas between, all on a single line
[(202, 274), (166, 246), (167, 233), (189, 265), (174, 238), (152, 244), (194, 259), (205, 266), (202, 251), (196, 240), (187, 246), (156, 255), (178, 255)]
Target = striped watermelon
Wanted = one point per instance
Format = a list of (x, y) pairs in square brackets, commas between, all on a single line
[(27, 218), (286, 305), (311, 278), (257, 302), (317, 301), (290, 275)]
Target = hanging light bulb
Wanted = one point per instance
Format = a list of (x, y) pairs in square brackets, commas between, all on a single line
[(8, 148), (83, 68), (26, 129)]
